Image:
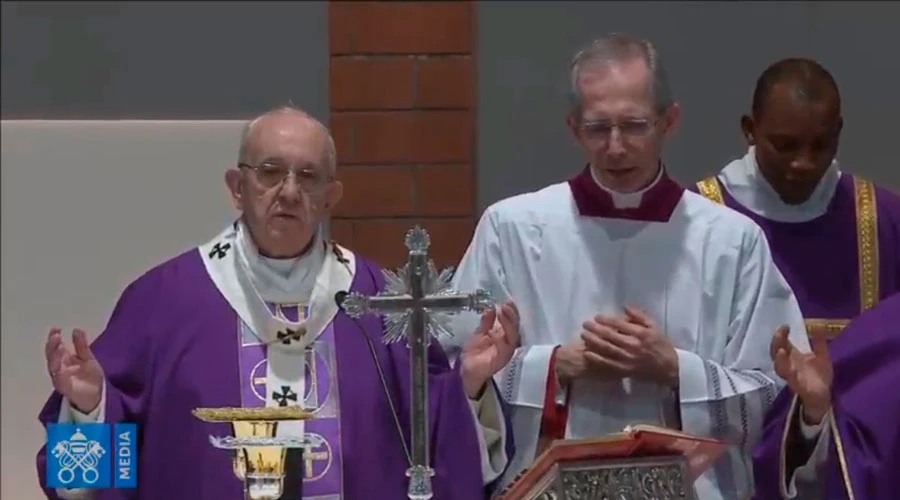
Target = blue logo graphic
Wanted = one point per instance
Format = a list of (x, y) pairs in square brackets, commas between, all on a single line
[(82, 456)]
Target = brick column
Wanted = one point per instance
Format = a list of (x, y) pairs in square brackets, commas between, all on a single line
[(403, 119)]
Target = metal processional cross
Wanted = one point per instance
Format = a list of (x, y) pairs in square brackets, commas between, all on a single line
[(417, 303)]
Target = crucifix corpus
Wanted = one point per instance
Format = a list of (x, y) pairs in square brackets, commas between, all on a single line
[(417, 303)]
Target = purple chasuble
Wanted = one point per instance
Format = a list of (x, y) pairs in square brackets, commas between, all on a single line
[(171, 346), (820, 258), (864, 452)]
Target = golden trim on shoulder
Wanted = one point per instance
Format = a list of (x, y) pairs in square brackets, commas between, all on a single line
[(710, 188)]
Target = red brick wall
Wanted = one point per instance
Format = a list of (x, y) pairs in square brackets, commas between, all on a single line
[(403, 119)]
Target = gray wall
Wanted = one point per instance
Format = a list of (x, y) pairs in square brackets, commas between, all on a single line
[(714, 51), (162, 60), (140, 112)]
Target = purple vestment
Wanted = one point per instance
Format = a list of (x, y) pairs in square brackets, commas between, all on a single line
[(172, 345), (819, 258), (866, 408)]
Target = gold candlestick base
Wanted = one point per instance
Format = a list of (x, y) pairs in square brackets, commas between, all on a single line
[(259, 454)]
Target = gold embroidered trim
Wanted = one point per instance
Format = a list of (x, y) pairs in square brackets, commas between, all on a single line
[(709, 188), (251, 414), (867, 243), (828, 328), (842, 458)]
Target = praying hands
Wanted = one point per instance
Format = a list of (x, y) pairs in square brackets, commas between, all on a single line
[(629, 346)]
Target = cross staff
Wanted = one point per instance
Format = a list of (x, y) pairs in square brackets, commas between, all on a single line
[(414, 301)]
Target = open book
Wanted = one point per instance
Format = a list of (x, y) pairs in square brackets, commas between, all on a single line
[(634, 441)]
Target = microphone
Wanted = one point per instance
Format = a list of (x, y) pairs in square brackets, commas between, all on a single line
[(339, 298)]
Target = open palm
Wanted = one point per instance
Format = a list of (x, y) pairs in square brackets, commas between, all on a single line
[(493, 343), (809, 375), (77, 375)]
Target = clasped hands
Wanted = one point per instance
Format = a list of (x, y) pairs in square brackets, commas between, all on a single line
[(617, 347)]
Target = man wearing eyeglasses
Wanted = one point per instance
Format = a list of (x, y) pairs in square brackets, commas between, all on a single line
[(641, 303), (252, 318)]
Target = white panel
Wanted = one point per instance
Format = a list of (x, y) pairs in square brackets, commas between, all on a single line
[(88, 206)]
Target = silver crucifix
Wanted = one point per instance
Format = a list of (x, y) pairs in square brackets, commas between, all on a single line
[(418, 303)]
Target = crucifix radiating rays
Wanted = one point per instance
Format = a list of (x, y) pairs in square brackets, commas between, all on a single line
[(417, 303)]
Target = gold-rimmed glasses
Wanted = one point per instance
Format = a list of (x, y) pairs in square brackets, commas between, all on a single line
[(271, 174)]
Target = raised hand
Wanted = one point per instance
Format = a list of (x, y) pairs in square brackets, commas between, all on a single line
[(630, 346), (490, 348), (809, 375), (76, 375)]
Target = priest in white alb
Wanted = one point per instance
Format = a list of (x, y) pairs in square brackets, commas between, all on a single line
[(252, 319), (640, 302)]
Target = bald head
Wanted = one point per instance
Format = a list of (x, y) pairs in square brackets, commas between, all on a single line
[(803, 81), (283, 122)]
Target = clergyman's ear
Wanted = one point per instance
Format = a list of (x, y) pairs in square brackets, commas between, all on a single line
[(234, 180), (748, 127), (672, 118), (334, 194)]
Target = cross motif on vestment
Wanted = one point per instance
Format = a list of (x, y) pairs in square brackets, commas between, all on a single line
[(287, 336), (219, 250), (283, 396)]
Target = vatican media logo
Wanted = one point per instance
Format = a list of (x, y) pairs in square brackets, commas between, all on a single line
[(80, 456)]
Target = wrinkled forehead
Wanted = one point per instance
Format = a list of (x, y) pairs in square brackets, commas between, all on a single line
[(616, 88), (288, 140)]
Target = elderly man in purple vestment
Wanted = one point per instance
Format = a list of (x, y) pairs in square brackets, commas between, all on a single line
[(835, 236), (251, 319), (640, 302), (834, 433)]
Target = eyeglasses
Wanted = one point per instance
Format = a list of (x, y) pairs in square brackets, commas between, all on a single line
[(273, 174), (633, 128)]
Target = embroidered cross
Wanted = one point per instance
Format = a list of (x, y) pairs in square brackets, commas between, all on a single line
[(219, 250), (311, 456), (288, 335), (283, 396)]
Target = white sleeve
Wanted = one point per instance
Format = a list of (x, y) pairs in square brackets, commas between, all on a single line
[(805, 481), (524, 380), (491, 429), (69, 415), (727, 398)]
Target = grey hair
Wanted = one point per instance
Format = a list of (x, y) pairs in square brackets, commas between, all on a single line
[(617, 48), (330, 149)]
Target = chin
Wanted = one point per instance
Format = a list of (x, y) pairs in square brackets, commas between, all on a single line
[(795, 198)]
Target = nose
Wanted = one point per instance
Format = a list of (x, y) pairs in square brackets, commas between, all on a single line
[(614, 146), (801, 166), (290, 189)]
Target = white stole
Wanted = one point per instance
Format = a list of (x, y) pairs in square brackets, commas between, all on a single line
[(229, 260)]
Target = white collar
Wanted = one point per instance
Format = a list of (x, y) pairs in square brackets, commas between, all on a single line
[(627, 200), (746, 184), (280, 280)]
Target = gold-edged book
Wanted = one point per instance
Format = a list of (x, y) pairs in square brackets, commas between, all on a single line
[(252, 414)]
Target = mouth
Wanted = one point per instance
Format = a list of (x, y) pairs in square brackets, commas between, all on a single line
[(621, 172), (283, 216)]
